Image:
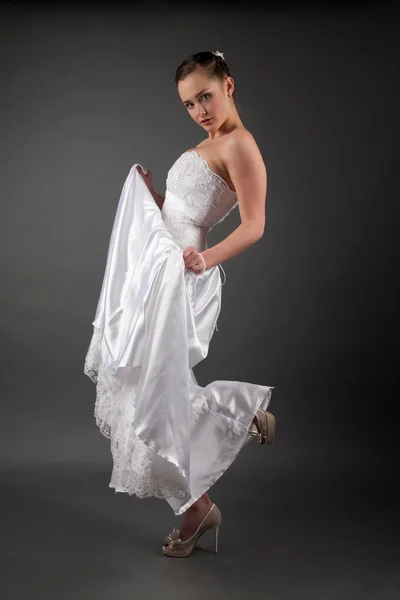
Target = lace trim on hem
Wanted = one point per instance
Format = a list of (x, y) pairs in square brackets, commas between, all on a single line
[(138, 469)]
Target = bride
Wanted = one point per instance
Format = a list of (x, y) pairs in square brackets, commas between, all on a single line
[(161, 295)]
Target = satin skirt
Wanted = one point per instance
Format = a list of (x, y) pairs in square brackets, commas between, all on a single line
[(170, 437)]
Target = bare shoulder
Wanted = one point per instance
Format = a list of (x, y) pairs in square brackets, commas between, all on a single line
[(242, 158), (241, 146)]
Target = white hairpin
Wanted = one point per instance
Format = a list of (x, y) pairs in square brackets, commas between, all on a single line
[(218, 53)]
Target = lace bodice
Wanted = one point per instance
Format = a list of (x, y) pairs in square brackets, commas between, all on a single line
[(196, 199)]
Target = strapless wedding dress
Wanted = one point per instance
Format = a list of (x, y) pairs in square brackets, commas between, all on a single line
[(170, 437)]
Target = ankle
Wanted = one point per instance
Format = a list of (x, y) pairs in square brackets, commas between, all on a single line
[(200, 504)]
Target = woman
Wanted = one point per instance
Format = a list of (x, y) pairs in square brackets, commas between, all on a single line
[(157, 312)]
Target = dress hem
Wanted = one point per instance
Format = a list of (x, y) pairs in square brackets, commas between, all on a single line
[(263, 398), (262, 401)]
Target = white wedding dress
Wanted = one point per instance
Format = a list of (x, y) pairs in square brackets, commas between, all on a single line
[(170, 437)]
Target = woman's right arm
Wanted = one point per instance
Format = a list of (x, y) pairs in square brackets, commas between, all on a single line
[(159, 200), (148, 179)]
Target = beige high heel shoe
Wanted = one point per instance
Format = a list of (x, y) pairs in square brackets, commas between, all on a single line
[(175, 546), (264, 427)]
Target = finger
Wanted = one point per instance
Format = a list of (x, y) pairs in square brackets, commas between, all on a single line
[(196, 268), (188, 251), (144, 171), (192, 262), (192, 256)]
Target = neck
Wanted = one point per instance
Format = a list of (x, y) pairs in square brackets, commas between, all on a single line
[(232, 122)]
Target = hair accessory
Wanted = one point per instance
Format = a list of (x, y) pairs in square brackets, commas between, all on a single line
[(218, 53)]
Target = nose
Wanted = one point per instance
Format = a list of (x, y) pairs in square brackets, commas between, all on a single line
[(201, 112)]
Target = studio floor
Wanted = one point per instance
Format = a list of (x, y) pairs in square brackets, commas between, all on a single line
[(310, 535)]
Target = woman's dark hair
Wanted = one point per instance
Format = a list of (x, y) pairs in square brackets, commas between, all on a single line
[(215, 66)]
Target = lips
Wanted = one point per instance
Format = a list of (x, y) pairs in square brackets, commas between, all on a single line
[(205, 121)]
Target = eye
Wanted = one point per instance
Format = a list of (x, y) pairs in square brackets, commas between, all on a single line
[(189, 104)]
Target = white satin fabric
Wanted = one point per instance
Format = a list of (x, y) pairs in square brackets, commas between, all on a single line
[(170, 437)]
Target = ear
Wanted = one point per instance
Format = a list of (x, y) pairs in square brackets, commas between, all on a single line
[(230, 86)]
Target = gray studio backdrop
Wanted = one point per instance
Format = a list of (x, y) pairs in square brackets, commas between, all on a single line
[(309, 309)]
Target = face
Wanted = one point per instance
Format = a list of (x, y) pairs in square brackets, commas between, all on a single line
[(206, 98)]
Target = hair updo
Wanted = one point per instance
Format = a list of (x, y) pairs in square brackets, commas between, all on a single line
[(215, 66)]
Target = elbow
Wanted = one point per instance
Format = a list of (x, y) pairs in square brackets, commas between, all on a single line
[(259, 233), (255, 232), (259, 228)]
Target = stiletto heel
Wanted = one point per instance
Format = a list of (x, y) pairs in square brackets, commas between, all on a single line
[(216, 531), (181, 549), (263, 427)]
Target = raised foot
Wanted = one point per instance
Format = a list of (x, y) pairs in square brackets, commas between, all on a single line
[(263, 427)]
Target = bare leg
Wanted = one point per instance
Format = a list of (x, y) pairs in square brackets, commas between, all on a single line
[(194, 515)]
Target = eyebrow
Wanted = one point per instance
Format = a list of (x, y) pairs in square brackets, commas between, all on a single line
[(196, 96)]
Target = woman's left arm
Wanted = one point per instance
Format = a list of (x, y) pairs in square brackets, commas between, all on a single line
[(248, 174)]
